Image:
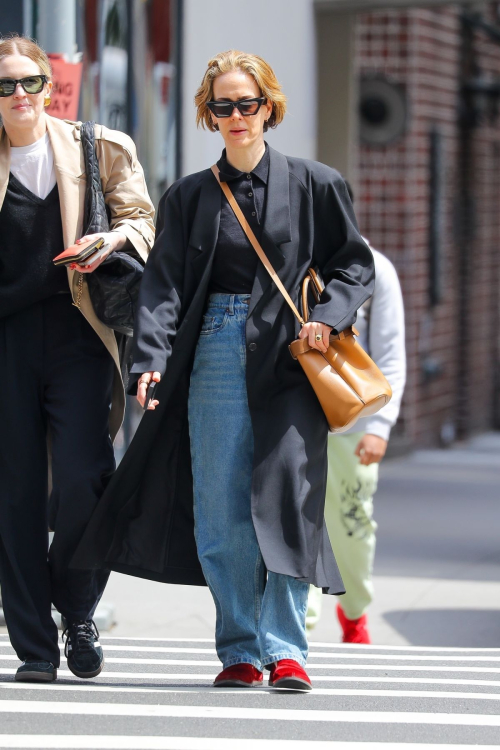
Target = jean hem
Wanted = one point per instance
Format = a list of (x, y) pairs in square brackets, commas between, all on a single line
[(242, 660), (278, 657)]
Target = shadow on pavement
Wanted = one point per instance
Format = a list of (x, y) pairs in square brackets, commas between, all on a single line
[(465, 628)]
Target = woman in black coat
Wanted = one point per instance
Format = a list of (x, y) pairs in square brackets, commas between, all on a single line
[(234, 417)]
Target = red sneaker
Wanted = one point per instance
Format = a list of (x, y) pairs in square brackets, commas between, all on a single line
[(354, 631), (239, 675), (287, 673)]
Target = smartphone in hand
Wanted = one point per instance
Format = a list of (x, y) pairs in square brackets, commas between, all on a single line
[(150, 393)]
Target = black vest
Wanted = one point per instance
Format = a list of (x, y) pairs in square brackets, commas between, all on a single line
[(30, 236)]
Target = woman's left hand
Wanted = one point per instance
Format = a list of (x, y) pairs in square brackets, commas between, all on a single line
[(114, 241), (311, 330)]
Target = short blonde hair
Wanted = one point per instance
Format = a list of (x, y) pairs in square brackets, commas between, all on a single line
[(22, 45), (261, 72)]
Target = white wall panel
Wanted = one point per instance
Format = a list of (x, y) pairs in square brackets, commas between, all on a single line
[(281, 31)]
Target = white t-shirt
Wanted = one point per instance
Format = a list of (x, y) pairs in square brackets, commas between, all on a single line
[(33, 166)]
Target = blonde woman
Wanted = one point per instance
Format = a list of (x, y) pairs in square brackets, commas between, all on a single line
[(225, 480), (59, 364)]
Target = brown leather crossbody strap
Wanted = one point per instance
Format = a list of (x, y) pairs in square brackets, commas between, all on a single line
[(255, 243)]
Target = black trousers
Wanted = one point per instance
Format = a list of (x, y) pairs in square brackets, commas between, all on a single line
[(55, 381)]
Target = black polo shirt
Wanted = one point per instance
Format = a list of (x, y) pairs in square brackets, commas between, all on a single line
[(235, 261)]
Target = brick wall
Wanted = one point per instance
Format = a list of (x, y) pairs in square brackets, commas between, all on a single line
[(421, 50)]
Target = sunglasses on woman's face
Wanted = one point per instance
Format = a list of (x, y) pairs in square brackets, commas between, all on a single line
[(31, 84), (247, 107)]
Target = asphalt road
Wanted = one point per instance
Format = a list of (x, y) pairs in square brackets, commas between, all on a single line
[(157, 694)]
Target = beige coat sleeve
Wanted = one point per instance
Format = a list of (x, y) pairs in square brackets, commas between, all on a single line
[(125, 189)]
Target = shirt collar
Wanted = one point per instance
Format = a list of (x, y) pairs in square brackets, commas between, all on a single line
[(229, 173)]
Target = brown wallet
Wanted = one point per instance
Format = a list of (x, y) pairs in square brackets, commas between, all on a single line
[(78, 253)]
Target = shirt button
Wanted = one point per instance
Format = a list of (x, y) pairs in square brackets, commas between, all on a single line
[(253, 213), (249, 177), (252, 346), (250, 195)]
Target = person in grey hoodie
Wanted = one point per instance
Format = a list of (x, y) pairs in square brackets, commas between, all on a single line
[(354, 458)]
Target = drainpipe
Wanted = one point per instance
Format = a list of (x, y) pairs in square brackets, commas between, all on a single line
[(465, 223)]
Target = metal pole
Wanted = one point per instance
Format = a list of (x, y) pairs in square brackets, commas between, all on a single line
[(28, 29), (179, 50), (57, 26), (130, 69)]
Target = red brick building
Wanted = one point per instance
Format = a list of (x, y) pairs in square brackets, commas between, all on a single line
[(429, 197)]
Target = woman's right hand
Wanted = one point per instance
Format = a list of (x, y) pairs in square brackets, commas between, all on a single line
[(142, 388)]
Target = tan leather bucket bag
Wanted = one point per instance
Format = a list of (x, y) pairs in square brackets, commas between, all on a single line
[(347, 382)]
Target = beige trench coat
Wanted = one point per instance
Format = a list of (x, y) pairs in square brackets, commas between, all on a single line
[(126, 195)]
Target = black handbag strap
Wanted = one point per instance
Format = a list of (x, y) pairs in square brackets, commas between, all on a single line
[(95, 217)]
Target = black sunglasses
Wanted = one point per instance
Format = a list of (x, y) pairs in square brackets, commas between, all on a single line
[(247, 107), (31, 84)]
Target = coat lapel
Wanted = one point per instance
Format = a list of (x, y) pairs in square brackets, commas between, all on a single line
[(205, 228), (277, 223), (70, 175), (4, 164), (277, 228)]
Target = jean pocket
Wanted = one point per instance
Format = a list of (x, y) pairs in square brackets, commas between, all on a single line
[(213, 322)]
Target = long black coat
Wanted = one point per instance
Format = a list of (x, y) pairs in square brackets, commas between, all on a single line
[(143, 525)]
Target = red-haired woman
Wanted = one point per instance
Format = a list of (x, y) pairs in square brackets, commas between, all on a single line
[(235, 432), (59, 364)]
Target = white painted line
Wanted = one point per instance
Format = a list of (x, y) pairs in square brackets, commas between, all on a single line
[(148, 649), (346, 667), (247, 714), (95, 688), (124, 660), (406, 657), (376, 647), (157, 640), (110, 742), (208, 677), (312, 644), (310, 667), (312, 655)]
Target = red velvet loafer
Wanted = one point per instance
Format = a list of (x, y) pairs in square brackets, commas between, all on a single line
[(287, 673), (354, 631), (239, 675)]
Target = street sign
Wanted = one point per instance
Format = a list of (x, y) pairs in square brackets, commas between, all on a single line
[(65, 94)]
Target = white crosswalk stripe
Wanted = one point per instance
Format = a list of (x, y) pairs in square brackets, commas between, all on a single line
[(82, 742), (158, 695)]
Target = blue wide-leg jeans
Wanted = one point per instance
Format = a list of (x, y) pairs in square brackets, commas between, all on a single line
[(260, 614)]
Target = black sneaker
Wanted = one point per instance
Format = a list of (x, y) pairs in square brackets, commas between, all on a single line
[(34, 670), (83, 650)]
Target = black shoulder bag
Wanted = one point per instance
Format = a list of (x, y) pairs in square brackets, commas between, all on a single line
[(114, 285)]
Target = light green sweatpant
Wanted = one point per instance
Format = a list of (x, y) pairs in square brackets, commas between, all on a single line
[(349, 520)]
